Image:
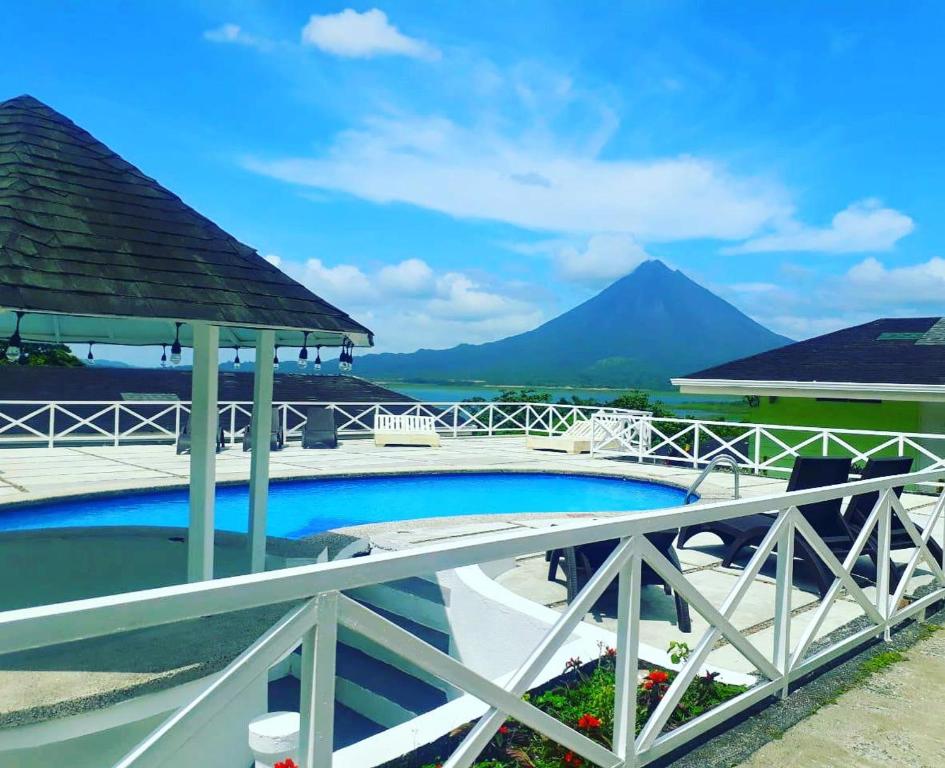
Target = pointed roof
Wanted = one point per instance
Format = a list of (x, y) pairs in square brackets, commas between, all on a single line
[(898, 358), (85, 234)]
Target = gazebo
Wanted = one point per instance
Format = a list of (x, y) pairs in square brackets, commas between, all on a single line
[(92, 251)]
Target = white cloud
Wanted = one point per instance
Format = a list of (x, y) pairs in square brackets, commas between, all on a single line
[(917, 285), (412, 277), (409, 306), (343, 283), (536, 183), (363, 35), (276, 261), (234, 34), (604, 259), (460, 298), (861, 227)]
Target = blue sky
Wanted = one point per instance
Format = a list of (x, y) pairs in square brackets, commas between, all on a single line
[(459, 171)]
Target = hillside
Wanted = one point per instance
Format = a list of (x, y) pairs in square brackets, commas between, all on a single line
[(646, 327)]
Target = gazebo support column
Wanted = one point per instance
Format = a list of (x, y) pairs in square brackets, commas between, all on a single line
[(203, 451), (259, 462)]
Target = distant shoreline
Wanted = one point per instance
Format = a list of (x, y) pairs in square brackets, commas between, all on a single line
[(484, 385)]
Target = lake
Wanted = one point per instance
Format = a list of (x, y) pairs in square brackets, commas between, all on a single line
[(704, 406)]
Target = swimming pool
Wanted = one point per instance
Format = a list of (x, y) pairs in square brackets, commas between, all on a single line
[(299, 508)]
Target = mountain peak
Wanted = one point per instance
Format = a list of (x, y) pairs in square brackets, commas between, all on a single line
[(650, 325)]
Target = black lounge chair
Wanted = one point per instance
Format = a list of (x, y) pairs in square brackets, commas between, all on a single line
[(276, 438), (581, 562), (824, 516), (861, 506), (183, 439), (319, 430)]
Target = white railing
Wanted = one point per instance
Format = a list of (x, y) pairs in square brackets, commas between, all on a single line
[(320, 606), (758, 448), (25, 422)]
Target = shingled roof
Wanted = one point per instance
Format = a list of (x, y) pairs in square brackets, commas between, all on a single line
[(85, 234), (888, 357), (103, 384)]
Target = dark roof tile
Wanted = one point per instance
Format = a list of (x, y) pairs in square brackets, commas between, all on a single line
[(83, 231), (888, 351)]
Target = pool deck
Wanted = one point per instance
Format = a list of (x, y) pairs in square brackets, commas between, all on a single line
[(31, 474), (73, 682)]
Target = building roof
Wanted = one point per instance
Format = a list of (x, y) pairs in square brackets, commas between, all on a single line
[(894, 358), (103, 384), (85, 234)]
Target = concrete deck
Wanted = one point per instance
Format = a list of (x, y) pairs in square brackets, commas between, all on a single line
[(74, 682), (893, 718), (31, 474)]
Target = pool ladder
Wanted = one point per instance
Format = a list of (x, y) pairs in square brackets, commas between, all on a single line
[(722, 458)]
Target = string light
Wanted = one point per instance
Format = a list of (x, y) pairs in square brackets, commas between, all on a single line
[(164, 355), (90, 357), (303, 353), (175, 347), (14, 345), (275, 360), (236, 360)]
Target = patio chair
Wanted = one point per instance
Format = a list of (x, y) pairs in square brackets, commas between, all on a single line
[(319, 430), (824, 516), (402, 429), (276, 438), (861, 506), (582, 561), (183, 439), (576, 439)]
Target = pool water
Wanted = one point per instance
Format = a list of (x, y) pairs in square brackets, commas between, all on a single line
[(299, 508)]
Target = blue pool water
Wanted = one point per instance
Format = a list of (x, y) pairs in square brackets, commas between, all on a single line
[(300, 508)]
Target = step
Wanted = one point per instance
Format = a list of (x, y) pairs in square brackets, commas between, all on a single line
[(350, 726), (381, 692), (411, 603)]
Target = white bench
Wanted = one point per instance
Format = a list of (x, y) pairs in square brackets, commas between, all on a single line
[(576, 439), (405, 430)]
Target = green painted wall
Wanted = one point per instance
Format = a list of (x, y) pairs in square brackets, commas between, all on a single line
[(884, 416)]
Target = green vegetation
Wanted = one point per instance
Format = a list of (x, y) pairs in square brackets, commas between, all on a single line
[(584, 700), (58, 355)]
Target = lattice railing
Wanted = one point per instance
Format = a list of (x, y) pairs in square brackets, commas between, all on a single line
[(798, 648), (117, 423), (768, 448)]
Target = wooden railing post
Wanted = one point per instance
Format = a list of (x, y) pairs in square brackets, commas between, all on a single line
[(317, 692), (784, 583), (628, 660)]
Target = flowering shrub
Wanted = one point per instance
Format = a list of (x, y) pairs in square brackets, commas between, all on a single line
[(287, 763), (585, 701)]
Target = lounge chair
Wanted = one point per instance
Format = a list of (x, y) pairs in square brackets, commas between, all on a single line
[(860, 507), (824, 516), (581, 562), (319, 430), (576, 439), (390, 429), (183, 439), (276, 438)]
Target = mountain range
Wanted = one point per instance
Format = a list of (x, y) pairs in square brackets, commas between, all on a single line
[(646, 327)]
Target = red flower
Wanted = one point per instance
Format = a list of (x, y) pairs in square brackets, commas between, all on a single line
[(587, 722), (658, 676), (573, 663), (287, 763), (572, 759), (611, 653), (503, 729), (647, 684)]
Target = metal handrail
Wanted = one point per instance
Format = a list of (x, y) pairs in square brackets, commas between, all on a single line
[(722, 458)]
